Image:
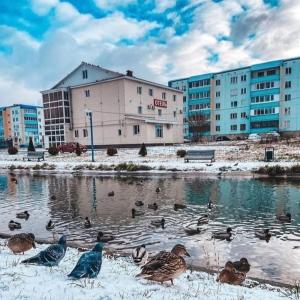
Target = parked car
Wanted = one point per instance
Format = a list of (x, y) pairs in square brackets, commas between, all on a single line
[(254, 137), (273, 134), (71, 147), (222, 138)]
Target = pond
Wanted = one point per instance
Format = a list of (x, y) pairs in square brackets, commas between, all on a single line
[(243, 204)]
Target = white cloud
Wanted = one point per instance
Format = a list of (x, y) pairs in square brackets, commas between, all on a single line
[(111, 4), (42, 7), (162, 5)]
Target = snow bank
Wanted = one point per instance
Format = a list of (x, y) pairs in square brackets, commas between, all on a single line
[(115, 281)]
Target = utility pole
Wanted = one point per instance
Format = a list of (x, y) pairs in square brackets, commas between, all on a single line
[(90, 115)]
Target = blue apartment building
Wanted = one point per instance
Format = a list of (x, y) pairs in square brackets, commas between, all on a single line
[(260, 98)]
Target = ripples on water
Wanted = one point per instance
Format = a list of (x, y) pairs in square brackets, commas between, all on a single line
[(245, 205)]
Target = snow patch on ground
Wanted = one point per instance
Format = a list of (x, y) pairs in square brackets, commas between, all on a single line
[(115, 281)]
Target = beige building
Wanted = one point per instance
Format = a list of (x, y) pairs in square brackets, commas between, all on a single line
[(126, 110)]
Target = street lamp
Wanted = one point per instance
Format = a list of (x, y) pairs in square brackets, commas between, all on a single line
[(89, 114)]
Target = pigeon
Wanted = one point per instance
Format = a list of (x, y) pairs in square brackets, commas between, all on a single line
[(51, 256), (89, 264)]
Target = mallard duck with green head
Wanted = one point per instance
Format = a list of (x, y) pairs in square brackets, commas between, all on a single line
[(23, 215)]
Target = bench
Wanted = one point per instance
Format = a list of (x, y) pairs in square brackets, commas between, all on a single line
[(200, 155), (39, 155)]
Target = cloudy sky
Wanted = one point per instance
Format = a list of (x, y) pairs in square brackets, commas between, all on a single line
[(43, 40)]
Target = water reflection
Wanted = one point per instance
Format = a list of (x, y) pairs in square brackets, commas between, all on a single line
[(244, 205)]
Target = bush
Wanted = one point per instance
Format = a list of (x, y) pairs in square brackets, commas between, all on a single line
[(111, 151), (181, 153), (30, 145), (53, 150), (275, 171), (143, 150), (12, 150), (78, 150), (295, 169)]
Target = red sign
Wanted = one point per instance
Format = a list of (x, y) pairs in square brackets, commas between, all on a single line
[(160, 103)]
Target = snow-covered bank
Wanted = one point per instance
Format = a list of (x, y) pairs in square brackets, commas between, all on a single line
[(234, 159), (115, 281)]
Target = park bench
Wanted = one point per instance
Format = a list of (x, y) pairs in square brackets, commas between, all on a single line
[(39, 155), (200, 155)]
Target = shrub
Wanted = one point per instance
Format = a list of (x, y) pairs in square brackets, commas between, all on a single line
[(275, 171), (12, 150), (111, 151), (181, 153), (143, 150), (30, 145), (295, 169), (78, 150), (53, 150)]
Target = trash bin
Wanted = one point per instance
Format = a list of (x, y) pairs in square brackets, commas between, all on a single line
[(269, 154)]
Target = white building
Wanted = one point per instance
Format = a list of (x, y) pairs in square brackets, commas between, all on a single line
[(127, 111)]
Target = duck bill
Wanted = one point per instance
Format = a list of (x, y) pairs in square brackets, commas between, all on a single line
[(187, 254)]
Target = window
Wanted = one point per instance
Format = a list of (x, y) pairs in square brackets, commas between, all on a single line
[(136, 129), (287, 110), (174, 98), (218, 105), (76, 133), (150, 92), (233, 116), (242, 127), (139, 90), (87, 93), (140, 110), (218, 82), (218, 94), (85, 133), (199, 95), (243, 91), (260, 74), (119, 132), (159, 112), (244, 78), (287, 97), (84, 74), (288, 84), (233, 127), (243, 115), (264, 124), (233, 103), (259, 99), (271, 72), (163, 95), (218, 128), (288, 70), (174, 114), (184, 98), (218, 117), (158, 130), (233, 80), (264, 111)]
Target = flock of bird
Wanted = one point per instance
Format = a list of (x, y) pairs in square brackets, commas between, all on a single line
[(164, 266)]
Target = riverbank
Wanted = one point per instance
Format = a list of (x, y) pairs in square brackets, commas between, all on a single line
[(116, 281)]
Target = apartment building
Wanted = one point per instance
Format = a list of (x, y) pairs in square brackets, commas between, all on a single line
[(19, 122), (126, 110), (256, 99)]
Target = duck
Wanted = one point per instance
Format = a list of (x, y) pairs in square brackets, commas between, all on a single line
[(153, 206), (20, 243), (89, 264), (285, 218), (159, 223), (53, 197), (165, 266), (191, 231), (111, 194), (50, 225), (140, 255), (229, 275), (179, 206), (104, 238), (136, 213), (210, 205), (157, 190), (14, 180), (14, 225), (203, 220), (23, 215), (51, 256), (139, 203), (263, 234), (87, 223), (242, 265), (223, 235)]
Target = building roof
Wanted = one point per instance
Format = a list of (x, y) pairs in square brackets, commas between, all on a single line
[(25, 106)]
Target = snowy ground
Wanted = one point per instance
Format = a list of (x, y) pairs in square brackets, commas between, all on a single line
[(115, 281), (229, 155)]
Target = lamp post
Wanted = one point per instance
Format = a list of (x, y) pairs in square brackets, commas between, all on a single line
[(89, 114)]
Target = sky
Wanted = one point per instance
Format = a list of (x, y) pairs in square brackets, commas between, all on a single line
[(41, 41)]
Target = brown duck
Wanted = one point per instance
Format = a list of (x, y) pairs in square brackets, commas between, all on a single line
[(230, 275), (20, 243), (165, 265)]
